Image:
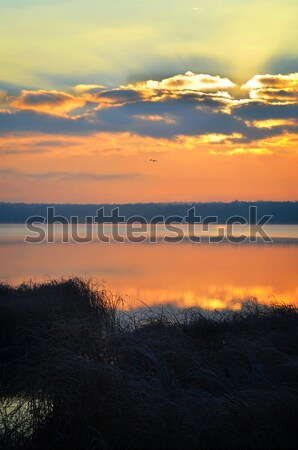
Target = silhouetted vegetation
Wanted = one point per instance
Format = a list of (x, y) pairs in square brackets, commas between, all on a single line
[(78, 374), (281, 212)]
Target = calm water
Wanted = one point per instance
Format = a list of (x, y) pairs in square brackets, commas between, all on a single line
[(185, 274)]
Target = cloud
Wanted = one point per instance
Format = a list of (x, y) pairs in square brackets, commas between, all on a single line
[(50, 102), (242, 151), (167, 119), (184, 82), (274, 123), (187, 104), (187, 119), (283, 64), (12, 89), (27, 151), (275, 95), (83, 88), (68, 176), (36, 122), (258, 110), (272, 81), (274, 88), (115, 97)]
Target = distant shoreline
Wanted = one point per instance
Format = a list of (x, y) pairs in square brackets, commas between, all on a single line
[(282, 212)]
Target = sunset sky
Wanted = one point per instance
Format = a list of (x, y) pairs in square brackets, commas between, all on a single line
[(91, 90)]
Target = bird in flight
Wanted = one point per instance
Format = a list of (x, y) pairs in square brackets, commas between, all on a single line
[(153, 160)]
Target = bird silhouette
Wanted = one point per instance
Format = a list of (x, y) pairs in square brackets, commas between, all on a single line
[(153, 160)]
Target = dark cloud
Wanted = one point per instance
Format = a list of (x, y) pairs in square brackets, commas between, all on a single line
[(188, 119), (43, 98), (13, 89), (27, 120), (117, 96), (282, 64), (261, 111)]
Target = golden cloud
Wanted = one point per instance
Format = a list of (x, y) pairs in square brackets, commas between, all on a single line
[(185, 104), (185, 82), (49, 102), (156, 118), (272, 81), (83, 88), (273, 123), (242, 151), (274, 88)]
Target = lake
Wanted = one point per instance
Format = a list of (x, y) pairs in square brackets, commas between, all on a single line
[(184, 274)]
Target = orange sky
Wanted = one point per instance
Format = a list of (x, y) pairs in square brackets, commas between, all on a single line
[(90, 91), (212, 139)]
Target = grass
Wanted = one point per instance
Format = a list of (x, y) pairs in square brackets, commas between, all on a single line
[(77, 374)]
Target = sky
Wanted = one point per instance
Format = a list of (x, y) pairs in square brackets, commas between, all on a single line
[(91, 91)]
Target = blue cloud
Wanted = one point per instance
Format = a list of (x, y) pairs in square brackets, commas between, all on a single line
[(282, 64)]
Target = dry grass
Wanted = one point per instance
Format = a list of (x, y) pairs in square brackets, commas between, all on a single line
[(77, 375)]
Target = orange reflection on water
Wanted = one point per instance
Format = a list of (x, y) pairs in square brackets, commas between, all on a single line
[(185, 274)]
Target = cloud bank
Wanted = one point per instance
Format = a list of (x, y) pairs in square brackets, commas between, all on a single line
[(187, 104)]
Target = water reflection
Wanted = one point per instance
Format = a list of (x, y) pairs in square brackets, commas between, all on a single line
[(186, 274)]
